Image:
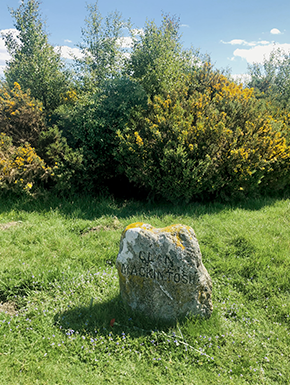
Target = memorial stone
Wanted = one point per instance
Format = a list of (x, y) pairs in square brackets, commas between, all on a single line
[(161, 273)]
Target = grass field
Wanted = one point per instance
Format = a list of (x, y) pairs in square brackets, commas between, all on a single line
[(59, 291)]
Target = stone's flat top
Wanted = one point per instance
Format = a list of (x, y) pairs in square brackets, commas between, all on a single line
[(173, 230), (146, 226), (169, 229), (161, 272)]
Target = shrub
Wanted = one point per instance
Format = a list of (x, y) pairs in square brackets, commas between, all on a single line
[(21, 116), (66, 162), (210, 137), (22, 120), (90, 126), (21, 168)]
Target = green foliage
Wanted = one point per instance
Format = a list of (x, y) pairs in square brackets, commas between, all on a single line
[(66, 162), (157, 60), (34, 63), (21, 116), (91, 124), (271, 79), (160, 116), (20, 167), (22, 120), (208, 138), (102, 53)]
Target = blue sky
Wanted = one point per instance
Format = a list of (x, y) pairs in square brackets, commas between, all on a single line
[(234, 33)]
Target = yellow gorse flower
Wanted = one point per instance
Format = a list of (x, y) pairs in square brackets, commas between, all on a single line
[(139, 140), (19, 166)]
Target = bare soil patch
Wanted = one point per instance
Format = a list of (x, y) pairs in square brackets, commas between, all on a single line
[(8, 308), (5, 226), (113, 226)]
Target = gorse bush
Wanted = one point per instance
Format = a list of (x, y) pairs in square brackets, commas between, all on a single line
[(20, 167), (21, 116), (210, 137), (23, 126)]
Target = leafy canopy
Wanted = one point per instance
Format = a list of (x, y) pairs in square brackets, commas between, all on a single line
[(158, 61), (34, 63), (272, 78), (101, 48)]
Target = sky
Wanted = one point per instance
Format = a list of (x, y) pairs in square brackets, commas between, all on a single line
[(235, 33)]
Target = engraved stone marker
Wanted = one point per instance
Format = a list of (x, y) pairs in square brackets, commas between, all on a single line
[(161, 272)]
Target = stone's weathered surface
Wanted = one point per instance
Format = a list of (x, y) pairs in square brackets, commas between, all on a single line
[(161, 272)]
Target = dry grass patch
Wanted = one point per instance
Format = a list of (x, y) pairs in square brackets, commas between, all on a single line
[(6, 226), (8, 308), (115, 225)]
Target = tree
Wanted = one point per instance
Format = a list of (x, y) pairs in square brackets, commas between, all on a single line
[(34, 63), (272, 78), (158, 60), (102, 52)]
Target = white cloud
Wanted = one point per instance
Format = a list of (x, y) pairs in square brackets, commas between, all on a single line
[(137, 31), (68, 52), (184, 25), (244, 42), (67, 41), (65, 51), (275, 31), (125, 42), (2, 67), (241, 78), (4, 55), (14, 32), (126, 55), (235, 42), (258, 53)]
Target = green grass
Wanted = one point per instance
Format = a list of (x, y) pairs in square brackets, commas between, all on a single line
[(59, 291)]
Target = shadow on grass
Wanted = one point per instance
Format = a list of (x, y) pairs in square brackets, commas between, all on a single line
[(107, 316), (91, 208)]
